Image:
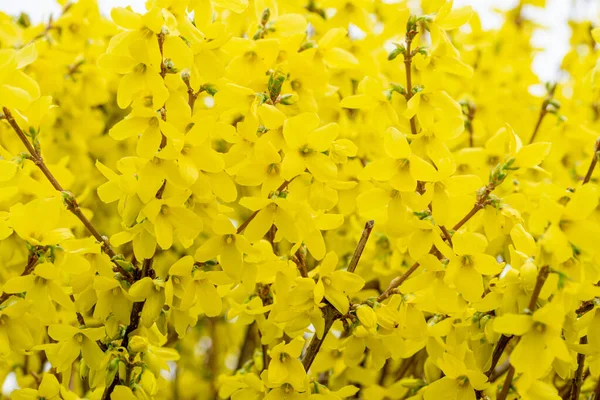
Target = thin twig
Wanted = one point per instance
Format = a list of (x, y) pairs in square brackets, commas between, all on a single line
[(543, 111), (590, 170), (134, 321), (499, 371), (577, 381), (300, 261), (329, 312), (408, 56), (507, 383), (397, 282), (70, 200), (479, 204), (362, 242)]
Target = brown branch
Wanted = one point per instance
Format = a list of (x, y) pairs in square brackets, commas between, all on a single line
[(469, 110), (446, 234), (397, 282), (362, 242), (329, 312), (544, 110), (539, 284), (597, 391), (499, 371), (134, 322), (498, 176), (300, 261), (590, 171), (507, 383), (503, 341), (70, 200), (479, 204), (577, 379), (497, 353), (408, 56)]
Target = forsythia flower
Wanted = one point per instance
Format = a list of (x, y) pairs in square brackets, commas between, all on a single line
[(297, 199)]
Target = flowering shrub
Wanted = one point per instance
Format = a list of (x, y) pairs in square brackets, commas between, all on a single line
[(296, 200)]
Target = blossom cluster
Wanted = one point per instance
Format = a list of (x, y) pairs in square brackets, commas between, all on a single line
[(296, 199)]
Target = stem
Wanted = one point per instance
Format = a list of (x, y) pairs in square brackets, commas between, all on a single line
[(70, 200), (447, 235), (300, 261), (499, 371), (134, 322), (397, 282), (329, 312), (498, 350), (478, 206), (470, 114), (362, 242), (590, 171), (577, 379), (503, 341), (596, 394), (408, 68), (507, 383), (539, 283), (543, 112)]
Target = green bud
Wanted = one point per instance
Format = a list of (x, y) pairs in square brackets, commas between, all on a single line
[(289, 99), (396, 87), (396, 52), (264, 18), (276, 81)]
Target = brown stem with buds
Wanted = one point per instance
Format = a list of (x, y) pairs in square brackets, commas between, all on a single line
[(70, 200), (329, 312), (577, 379), (408, 56), (543, 111)]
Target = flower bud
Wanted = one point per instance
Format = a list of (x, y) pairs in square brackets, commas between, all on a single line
[(366, 316), (138, 344)]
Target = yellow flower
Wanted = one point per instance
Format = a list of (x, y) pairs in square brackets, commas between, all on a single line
[(540, 338), (459, 382), (401, 168), (38, 221), (285, 367), (307, 142), (43, 290), (229, 246), (15, 333), (278, 211), (17, 89), (72, 342), (152, 293), (334, 285), (49, 389), (469, 263), (171, 217), (112, 300)]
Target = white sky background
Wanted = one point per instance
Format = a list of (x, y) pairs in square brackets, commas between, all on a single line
[(554, 38)]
